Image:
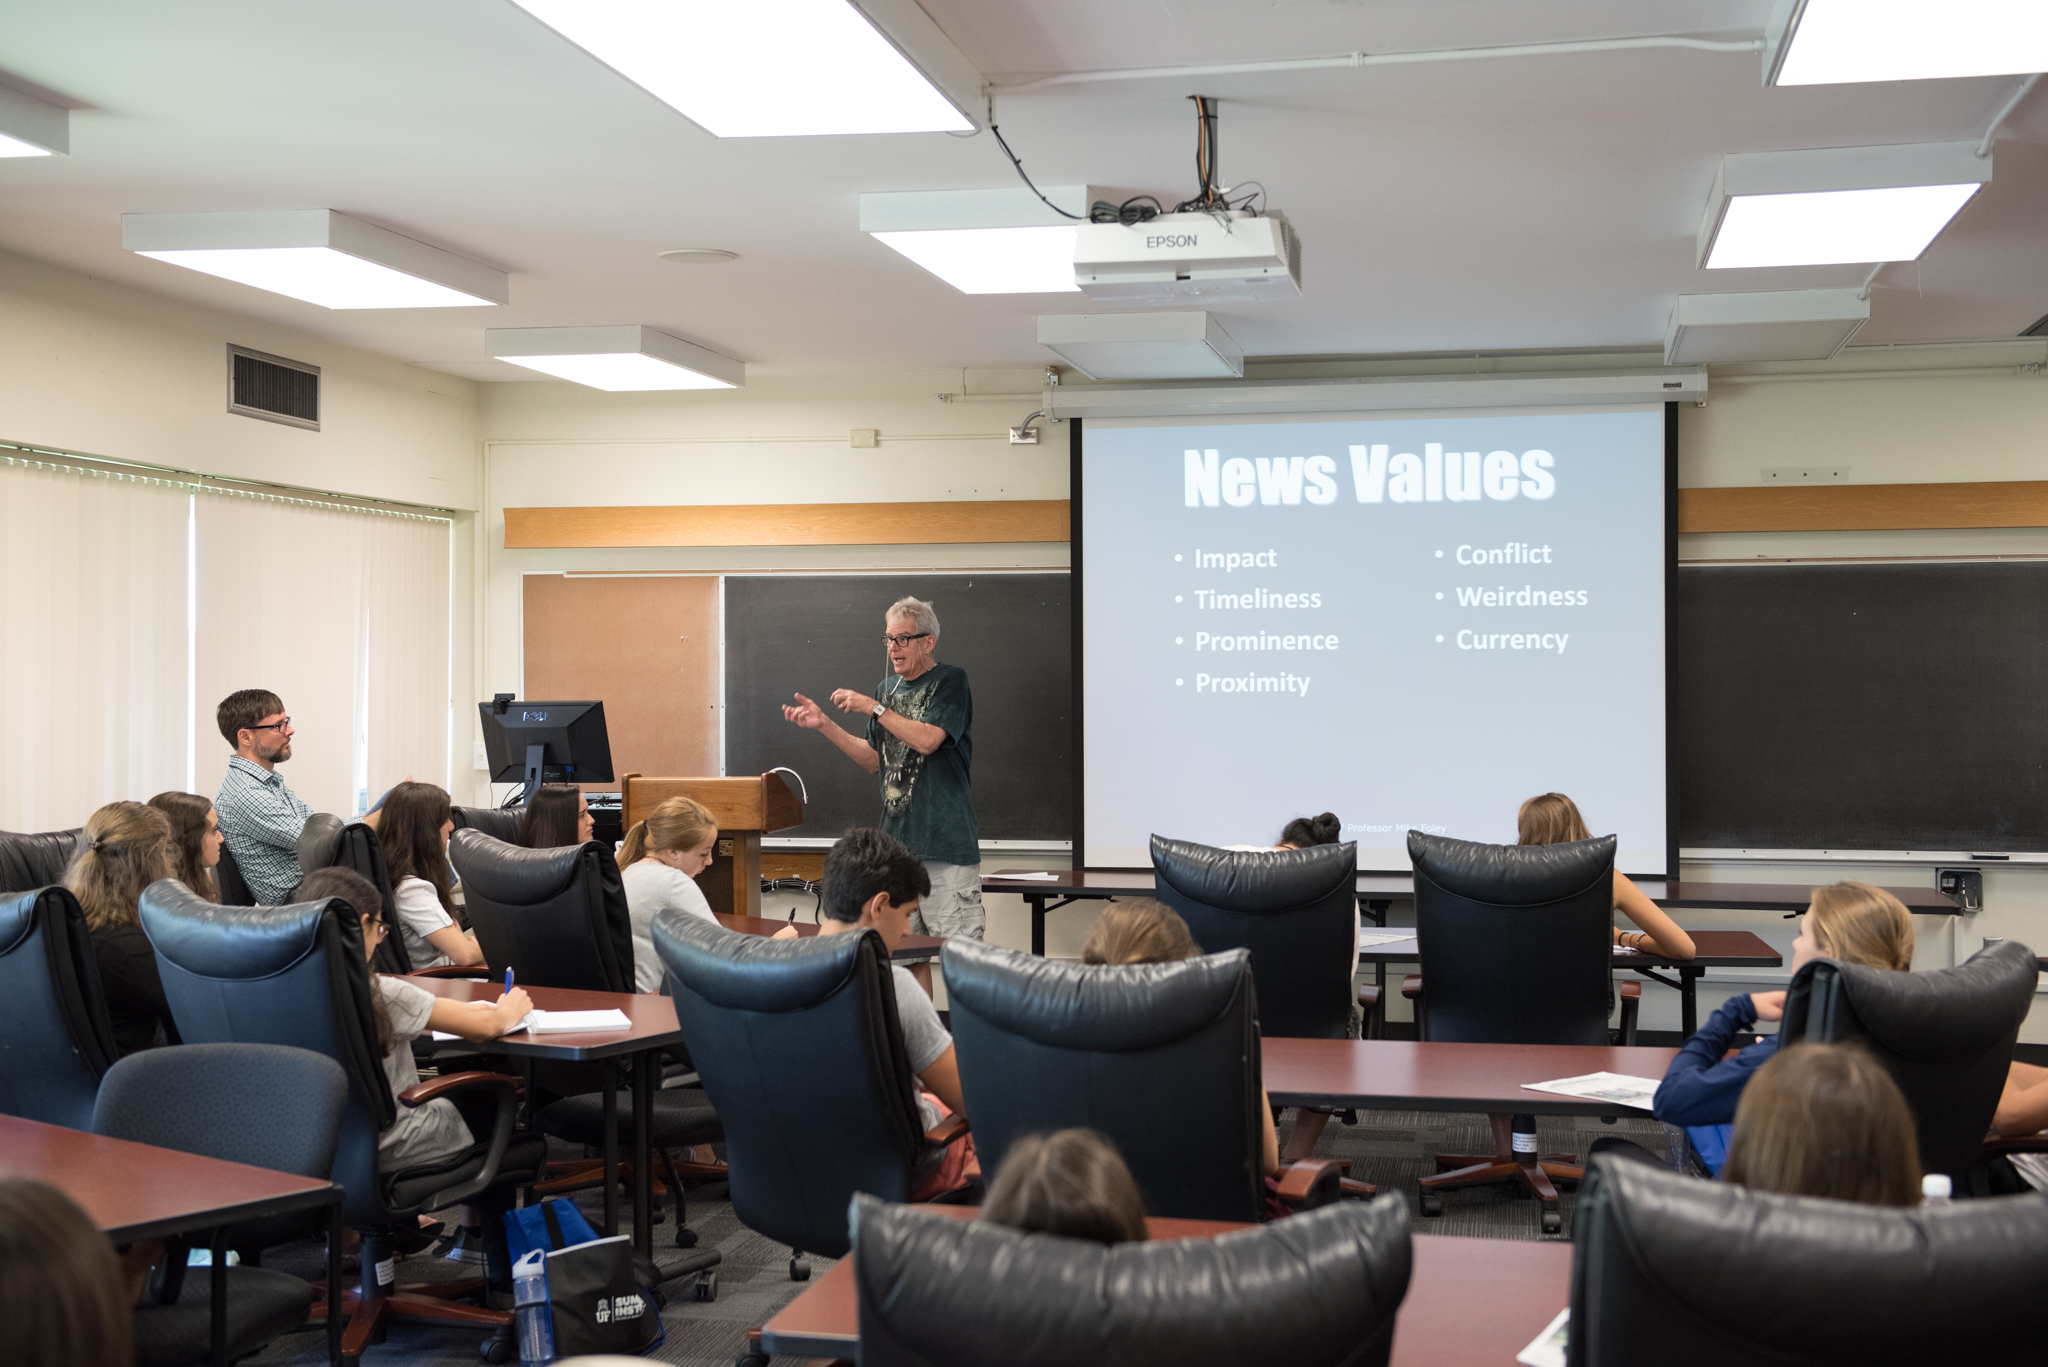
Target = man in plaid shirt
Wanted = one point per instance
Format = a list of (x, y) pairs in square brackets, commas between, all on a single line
[(260, 817)]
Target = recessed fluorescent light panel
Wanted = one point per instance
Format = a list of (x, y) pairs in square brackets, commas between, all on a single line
[(983, 241), (31, 128), (1836, 205), (317, 255), (628, 357), (1825, 42), (779, 68), (1142, 346), (1781, 325)]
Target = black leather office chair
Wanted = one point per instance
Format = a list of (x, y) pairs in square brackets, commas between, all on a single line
[(801, 1051), (296, 976), (1162, 1058), (329, 842), (1946, 1036), (1682, 1273), (502, 822), (1319, 1289), (222, 1101), (229, 883), (28, 862), (55, 1040), (1517, 948)]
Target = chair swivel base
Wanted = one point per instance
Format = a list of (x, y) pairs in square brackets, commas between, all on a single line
[(1535, 1173), (370, 1307)]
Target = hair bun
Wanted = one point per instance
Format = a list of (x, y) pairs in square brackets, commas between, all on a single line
[(1327, 828)]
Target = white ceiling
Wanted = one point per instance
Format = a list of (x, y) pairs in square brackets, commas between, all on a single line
[(1542, 202)]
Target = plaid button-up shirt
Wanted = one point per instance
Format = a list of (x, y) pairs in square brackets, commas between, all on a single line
[(261, 819)]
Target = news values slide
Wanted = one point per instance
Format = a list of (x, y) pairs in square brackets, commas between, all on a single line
[(1415, 623)]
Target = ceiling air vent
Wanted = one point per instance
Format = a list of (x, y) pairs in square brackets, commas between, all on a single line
[(273, 388)]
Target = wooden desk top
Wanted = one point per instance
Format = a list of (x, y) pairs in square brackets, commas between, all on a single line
[(1420, 1075), (1713, 949), (654, 1020), (1442, 1323), (139, 1191), (911, 946), (1090, 883)]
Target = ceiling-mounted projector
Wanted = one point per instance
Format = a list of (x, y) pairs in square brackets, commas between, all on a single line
[(1229, 256)]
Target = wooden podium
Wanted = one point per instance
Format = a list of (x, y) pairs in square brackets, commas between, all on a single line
[(744, 808)]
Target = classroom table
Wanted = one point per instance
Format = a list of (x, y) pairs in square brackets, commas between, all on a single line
[(910, 947), (1441, 1323), (1431, 1075), (139, 1191), (653, 1029)]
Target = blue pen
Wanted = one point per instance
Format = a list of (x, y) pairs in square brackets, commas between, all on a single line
[(508, 980)]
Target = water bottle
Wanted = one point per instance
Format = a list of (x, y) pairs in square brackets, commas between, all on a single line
[(1935, 1189), (531, 1317)]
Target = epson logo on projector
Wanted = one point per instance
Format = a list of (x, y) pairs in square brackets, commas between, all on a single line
[(1376, 477), (1153, 244)]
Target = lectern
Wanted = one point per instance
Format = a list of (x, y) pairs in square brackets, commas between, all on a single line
[(744, 808)]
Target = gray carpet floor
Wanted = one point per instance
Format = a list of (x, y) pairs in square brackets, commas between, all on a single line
[(1388, 1148)]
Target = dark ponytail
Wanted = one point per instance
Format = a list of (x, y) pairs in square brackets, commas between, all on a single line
[(1303, 831)]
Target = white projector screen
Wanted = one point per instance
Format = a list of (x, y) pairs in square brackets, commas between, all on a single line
[(1415, 622)]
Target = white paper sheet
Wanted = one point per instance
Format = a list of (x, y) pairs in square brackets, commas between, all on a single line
[(1036, 876), (1368, 938), (1619, 1088), (564, 1022), (1547, 1349)]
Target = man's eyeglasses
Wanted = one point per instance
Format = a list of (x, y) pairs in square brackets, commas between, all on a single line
[(270, 725), (905, 639)]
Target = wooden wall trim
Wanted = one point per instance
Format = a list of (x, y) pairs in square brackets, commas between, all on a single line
[(790, 524), (1864, 507)]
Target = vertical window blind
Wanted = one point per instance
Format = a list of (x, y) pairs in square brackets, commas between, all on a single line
[(134, 605)]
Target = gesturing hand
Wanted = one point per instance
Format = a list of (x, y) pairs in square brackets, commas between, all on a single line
[(846, 700), (806, 713), (1769, 1006)]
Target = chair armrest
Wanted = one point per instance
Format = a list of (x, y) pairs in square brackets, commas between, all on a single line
[(454, 971), (420, 1093), (1631, 991), (1631, 1004), (1411, 985), (947, 1130), (2017, 1143), (1310, 1182), (1368, 997), (507, 1093)]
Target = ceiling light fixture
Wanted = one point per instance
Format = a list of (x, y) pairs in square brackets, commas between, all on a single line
[(1826, 42), (780, 68), (31, 128), (983, 241), (317, 255), (697, 256), (1142, 346), (626, 357), (1781, 325), (1836, 205)]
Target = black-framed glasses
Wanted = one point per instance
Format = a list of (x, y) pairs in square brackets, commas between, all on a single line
[(905, 639), (270, 725)]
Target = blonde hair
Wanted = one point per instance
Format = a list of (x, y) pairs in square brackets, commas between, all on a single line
[(680, 823), (1550, 819), (1140, 931), (1860, 924), (1825, 1120), (126, 847)]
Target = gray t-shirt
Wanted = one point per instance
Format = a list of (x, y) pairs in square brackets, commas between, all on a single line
[(928, 800), (652, 887), (421, 1134), (923, 1037), (420, 914)]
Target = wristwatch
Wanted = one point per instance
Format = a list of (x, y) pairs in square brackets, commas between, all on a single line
[(880, 708)]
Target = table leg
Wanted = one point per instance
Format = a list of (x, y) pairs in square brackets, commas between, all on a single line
[(610, 1069), (1688, 1006), (646, 1077), (217, 1287), (1037, 904), (334, 1316)]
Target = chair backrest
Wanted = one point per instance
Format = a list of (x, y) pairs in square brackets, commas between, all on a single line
[(1946, 1036), (1295, 910), (291, 975), (1162, 1058), (800, 1049), (503, 822), (1516, 940), (55, 1040), (1671, 1270), (227, 1101), (228, 881), (1315, 1290), (28, 862), (556, 917), (329, 842)]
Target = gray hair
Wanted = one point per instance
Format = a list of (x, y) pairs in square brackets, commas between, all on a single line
[(918, 611)]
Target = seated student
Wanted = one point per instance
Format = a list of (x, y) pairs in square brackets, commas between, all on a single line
[(1826, 1120), (659, 864), (195, 832), (1142, 931), (2023, 1110), (873, 882), (261, 817), (1072, 1183), (414, 833), (125, 847), (1553, 819), (557, 816), (63, 1296), (1305, 831), (1853, 922)]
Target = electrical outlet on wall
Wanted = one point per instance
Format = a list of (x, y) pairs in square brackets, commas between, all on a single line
[(1965, 885), (482, 758)]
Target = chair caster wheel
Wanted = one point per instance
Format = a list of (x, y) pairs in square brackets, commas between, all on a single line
[(497, 1350), (1432, 1204), (1553, 1222), (751, 1360), (705, 1288), (685, 1237), (799, 1270)]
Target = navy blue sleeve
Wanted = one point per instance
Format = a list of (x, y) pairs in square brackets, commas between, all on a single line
[(1701, 1087)]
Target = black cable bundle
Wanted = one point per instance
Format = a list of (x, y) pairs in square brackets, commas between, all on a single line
[(1145, 208)]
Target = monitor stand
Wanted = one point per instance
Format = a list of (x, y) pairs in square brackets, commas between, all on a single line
[(536, 756)]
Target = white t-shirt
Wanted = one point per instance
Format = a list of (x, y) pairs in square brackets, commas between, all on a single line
[(652, 887), (421, 1134), (924, 1038), (419, 915)]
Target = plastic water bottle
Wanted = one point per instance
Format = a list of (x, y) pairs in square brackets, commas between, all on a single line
[(1935, 1189), (530, 1314)]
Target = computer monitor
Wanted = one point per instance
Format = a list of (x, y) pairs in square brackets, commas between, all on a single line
[(545, 742)]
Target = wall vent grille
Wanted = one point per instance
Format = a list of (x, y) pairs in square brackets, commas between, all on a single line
[(273, 388)]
